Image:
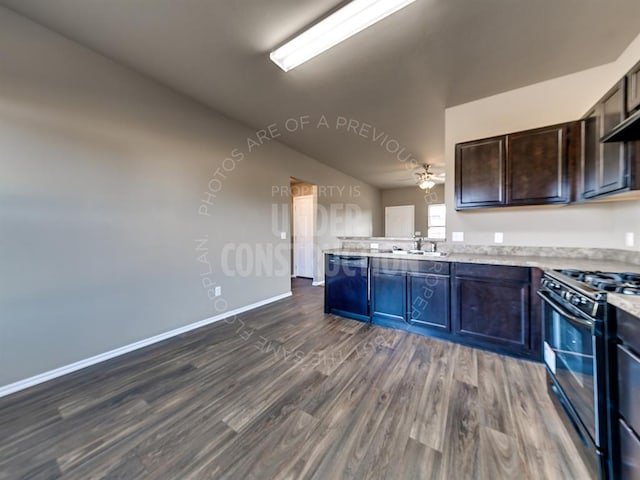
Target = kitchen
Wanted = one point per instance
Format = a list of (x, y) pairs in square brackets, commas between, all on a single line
[(113, 257), (487, 296)]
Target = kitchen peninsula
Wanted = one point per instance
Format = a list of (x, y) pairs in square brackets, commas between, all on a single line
[(481, 296)]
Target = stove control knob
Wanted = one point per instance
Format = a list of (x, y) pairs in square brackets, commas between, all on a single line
[(575, 300), (570, 297)]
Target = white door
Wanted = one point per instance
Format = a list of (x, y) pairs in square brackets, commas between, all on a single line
[(399, 221), (303, 236)]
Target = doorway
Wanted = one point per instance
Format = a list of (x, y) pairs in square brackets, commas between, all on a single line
[(303, 236), (303, 205)]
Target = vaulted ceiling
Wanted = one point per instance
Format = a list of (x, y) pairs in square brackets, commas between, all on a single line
[(397, 76)]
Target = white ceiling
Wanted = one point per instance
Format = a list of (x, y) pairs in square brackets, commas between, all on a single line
[(397, 76)]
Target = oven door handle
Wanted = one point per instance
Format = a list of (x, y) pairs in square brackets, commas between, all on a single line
[(569, 316)]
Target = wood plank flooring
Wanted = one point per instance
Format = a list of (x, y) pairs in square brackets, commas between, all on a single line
[(287, 392)]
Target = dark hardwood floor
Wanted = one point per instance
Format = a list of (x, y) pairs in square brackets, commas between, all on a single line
[(288, 392)]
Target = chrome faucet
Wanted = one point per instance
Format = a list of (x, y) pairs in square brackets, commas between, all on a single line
[(417, 242), (433, 247)]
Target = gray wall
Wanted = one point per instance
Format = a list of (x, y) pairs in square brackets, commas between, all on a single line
[(103, 176), (413, 196)]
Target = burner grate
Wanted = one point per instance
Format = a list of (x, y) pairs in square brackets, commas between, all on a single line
[(626, 283)]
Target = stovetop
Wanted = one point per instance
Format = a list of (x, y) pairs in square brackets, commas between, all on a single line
[(625, 283)]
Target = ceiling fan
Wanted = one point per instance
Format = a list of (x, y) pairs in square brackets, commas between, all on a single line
[(427, 179)]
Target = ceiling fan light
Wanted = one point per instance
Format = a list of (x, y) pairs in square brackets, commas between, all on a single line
[(427, 184), (337, 27)]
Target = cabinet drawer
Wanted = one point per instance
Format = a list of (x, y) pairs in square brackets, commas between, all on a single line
[(496, 272), (629, 386), (410, 266), (629, 329), (629, 453)]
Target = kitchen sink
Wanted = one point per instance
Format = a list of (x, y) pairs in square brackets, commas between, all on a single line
[(428, 254), (400, 251)]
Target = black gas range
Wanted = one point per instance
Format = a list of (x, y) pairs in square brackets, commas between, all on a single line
[(577, 340), (626, 283)]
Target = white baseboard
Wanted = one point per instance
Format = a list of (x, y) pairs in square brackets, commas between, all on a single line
[(73, 367), (318, 284)]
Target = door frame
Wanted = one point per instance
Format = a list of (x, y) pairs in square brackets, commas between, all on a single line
[(293, 234)]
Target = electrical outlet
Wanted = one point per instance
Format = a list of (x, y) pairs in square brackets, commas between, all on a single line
[(418, 234), (498, 237), (375, 246), (218, 291), (457, 236), (283, 235), (629, 239)]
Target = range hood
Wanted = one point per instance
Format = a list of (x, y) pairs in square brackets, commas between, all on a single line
[(627, 131)]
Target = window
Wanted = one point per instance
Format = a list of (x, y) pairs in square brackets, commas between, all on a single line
[(436, 220)]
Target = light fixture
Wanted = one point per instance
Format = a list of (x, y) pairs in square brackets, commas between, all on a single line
[(427, 184), (337, 27), (425, 179)]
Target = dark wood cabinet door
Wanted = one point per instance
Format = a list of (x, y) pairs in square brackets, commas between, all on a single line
[(604, 167), (428, 301), (493, 311), (633, 88), (480, 173), (590, 155), (537, 166), (613, 171), (388, 298)]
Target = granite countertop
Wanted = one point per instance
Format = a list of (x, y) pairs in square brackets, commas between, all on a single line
[(391, 239), (629, 303)]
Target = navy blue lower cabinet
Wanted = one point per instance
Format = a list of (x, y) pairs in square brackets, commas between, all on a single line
[(487, 306), (346, 286), (428, 302), (388, 298)]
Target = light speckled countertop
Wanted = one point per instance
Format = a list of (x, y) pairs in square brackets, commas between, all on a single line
[(629, 303)]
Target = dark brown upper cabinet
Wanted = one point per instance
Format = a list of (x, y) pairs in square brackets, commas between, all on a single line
[(633, 88), (538, 166), (480, 173), (614, 159), (605, 167), (597, 158), (628, 127), (590, 156), (524, 168)]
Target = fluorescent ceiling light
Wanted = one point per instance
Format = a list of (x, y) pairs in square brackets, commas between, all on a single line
[(337, 27)]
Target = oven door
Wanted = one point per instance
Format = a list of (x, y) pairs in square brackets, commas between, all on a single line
[(570, 353)]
